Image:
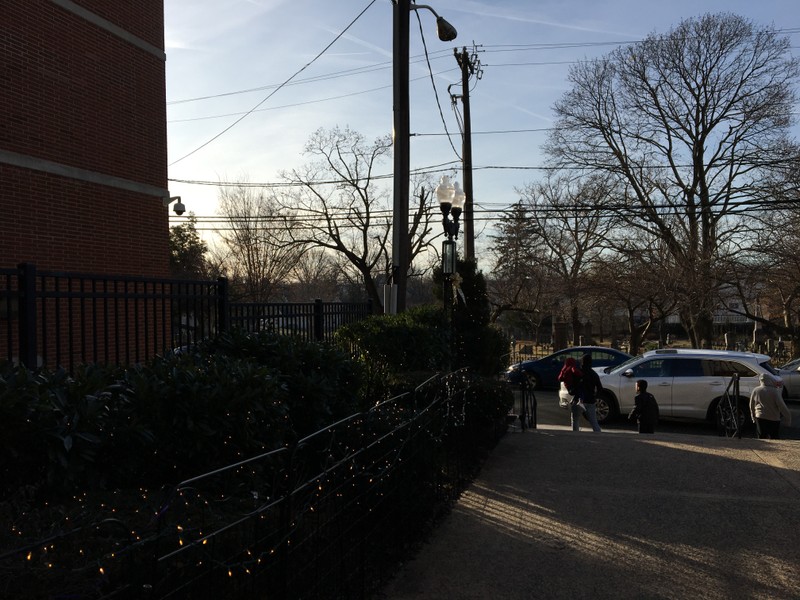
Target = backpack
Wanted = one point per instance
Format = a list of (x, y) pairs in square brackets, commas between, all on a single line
[(574, 384)]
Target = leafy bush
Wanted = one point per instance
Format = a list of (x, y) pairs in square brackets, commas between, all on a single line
[(414, 340), (175, 417), (53, 425), (321, 381)]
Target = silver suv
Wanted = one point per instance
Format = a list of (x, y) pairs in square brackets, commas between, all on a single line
[(688, 384)]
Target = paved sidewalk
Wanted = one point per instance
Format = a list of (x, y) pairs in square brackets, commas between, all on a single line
[(556, 514)]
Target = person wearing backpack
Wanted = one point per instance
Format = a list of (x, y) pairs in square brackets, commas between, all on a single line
[(589, 389), (645, 409), (572, 377)]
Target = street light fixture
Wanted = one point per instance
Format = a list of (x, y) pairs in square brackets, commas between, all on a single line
[(401, 245), (445, 31), (451, 202)]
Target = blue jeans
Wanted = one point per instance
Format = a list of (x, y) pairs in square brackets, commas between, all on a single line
[(575, 412), (591, 415)]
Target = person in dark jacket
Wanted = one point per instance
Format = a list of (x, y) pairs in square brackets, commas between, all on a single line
[(571, 377), (645, 409), (590, 388)]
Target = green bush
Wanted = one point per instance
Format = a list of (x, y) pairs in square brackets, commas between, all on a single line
[(322, 382), (414, 340), (53, 426), (175, 417)]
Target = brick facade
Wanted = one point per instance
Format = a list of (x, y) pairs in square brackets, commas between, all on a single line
[(83, 148)]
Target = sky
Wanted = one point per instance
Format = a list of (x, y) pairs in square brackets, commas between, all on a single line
[(249, 81)]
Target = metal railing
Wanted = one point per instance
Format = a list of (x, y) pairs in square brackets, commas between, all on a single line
[(326, 517), (59, 319), (524, 412), (730, 412)]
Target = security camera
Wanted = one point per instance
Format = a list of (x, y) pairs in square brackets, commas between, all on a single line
[(179, 207)]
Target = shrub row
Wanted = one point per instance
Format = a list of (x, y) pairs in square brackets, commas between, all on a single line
[(179, 415)]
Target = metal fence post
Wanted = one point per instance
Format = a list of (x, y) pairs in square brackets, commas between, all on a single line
[(223, 305), (27, 315), (319, 322)]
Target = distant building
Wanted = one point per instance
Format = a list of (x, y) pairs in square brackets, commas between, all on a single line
[(83, 140)]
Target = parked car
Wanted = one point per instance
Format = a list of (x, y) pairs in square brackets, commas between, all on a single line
[(542, 372), (688, 384), (790, 373)]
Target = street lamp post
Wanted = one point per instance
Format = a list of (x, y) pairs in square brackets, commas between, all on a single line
[(401, 245), (451, 201)]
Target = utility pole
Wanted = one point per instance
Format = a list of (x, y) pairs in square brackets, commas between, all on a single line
[(469, 66), (401, 242), (401, 249)]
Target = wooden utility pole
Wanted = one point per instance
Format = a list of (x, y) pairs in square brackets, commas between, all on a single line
[(467, 65), (400, 243)]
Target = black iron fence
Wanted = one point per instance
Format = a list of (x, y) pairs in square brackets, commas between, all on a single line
[(329, 516), (58, 319)]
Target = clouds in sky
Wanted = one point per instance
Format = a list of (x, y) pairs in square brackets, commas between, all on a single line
[(215, 47)]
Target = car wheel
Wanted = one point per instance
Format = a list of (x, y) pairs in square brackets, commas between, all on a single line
[(733, 418), (533, 380), (605, 409)]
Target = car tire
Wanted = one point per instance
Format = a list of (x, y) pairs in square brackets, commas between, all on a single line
[(605, 408), (726, 422), (533, 380)]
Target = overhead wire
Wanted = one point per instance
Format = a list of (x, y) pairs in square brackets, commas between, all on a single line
[(276, 90), (433, 84), (489, 216)]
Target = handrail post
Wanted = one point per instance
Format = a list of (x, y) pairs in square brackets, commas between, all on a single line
[(27, 315)]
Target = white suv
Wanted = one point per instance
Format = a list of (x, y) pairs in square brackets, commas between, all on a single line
[(687, 384)]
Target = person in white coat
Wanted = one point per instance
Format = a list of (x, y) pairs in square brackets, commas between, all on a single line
[(767, 408)]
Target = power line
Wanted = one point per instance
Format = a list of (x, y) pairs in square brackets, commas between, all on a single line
[(306, 102), (343, 220), (303, 68), (439, 54)]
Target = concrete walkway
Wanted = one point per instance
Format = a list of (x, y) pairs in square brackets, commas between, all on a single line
[(556, 514)]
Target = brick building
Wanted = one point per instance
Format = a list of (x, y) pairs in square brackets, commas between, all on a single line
[(83, 142)]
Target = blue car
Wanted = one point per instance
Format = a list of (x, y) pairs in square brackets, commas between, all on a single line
[(542, 372)]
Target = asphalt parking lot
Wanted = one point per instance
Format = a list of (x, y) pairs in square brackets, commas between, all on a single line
[(683, 513)]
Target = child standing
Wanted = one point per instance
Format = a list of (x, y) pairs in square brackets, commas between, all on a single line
[(645, 408)]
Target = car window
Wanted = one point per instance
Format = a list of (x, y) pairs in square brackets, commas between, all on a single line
[(599, 357), (625, 365), (657, 367), (687, 367), (768, 366), (792, 365), (562, 357), (726, 368)]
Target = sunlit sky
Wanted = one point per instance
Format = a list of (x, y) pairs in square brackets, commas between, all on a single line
[(228, 58)]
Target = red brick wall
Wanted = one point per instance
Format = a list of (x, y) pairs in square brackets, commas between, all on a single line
[(63, 224), (143, 18), (77, 95)]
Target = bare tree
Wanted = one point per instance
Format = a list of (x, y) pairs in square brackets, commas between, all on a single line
[(763, 278), (638, 279), (688, 123), (568, 221), (315, 275), (340, 207), (259, 257)]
